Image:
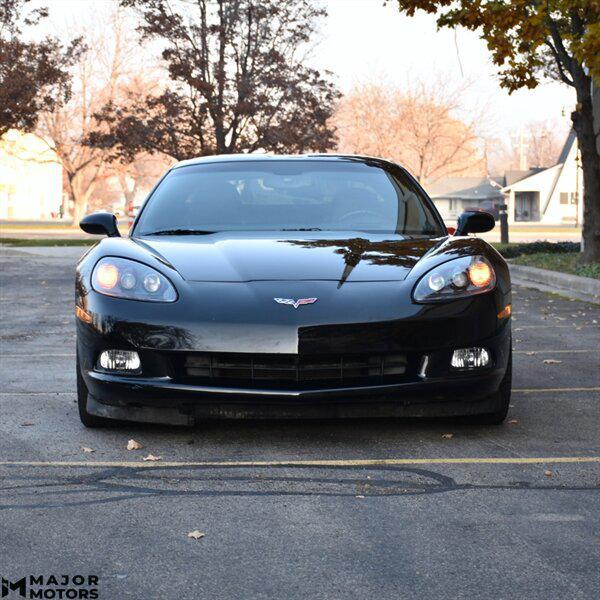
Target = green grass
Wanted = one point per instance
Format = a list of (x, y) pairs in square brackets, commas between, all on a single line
[(15, 242), (565, 263)]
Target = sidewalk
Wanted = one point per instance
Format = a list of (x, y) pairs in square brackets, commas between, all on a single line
[(563, 284)]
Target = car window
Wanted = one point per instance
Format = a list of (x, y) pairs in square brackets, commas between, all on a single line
[(288, 195)]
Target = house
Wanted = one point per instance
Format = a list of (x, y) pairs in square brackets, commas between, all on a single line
[(453, 195), (549, 196), (543, 196), (30, 178)]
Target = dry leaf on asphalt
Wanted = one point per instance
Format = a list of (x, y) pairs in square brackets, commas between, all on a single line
[(196, 535), (548, 473), (151, 458), (133, 445), (87, 449), (551, 361), (447, 436), (513, 422)]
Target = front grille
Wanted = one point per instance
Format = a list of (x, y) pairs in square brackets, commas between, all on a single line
[(260, 369)]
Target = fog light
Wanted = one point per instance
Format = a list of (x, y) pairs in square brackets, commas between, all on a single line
[(120, 360), (470, 358)]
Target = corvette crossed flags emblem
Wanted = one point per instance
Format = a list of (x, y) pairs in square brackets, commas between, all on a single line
[(295, 303)]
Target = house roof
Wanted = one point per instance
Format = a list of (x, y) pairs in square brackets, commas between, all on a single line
[(466, 188), (564, 153), (515, 175)]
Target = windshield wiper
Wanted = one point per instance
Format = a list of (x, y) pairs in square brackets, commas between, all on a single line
[(302, 229), (180, 232)]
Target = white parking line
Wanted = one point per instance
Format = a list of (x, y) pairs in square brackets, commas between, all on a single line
[(544, 390), (557, 351), (71, 354)]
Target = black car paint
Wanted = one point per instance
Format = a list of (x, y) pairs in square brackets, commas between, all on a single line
[(227, 284)]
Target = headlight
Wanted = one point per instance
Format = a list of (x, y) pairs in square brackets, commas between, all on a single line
[(457, 278), (124, 278)]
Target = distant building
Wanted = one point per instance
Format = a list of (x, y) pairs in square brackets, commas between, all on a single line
[(453, 195), (551, 196), (30, 178), (545, 196)]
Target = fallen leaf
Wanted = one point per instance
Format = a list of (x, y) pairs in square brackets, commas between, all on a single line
[(87, 449), (196, 535), (548, 473), (133, 445), (447, 436), (151, 458), (359, 497), (551, 361), (513, 422)]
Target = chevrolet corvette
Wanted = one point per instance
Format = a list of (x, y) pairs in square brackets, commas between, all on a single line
[(257, 286)]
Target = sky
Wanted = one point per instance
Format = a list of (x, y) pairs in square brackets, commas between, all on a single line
[(365, 40)]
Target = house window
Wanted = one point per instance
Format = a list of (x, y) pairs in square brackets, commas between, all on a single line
[(527, 206), (568, 197)]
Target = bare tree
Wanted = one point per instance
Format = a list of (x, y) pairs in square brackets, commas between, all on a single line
[(541, 143), (545, 140), (417, 126), (239, 82), (96, 78)]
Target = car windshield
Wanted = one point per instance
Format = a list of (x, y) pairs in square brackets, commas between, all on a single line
[(288, 195)]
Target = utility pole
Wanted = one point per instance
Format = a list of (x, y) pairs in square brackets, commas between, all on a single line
[(522, 147)]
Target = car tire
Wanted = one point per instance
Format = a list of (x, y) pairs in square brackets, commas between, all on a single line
[(89, 420), (503, 396)]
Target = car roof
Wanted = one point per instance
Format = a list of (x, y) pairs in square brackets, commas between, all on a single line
[(222, 158)]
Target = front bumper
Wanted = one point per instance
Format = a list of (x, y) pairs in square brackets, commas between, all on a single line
[(161, 394), (164, 401)]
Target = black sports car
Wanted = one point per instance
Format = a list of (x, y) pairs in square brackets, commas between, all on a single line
[(316, 285)]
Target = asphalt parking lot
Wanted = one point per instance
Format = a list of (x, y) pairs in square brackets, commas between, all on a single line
[(319, 509)]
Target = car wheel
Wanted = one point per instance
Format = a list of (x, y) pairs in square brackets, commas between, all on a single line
[(503, 394), (82, 395)]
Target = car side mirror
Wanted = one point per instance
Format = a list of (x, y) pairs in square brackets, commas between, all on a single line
[(100, 223), (475, 221)]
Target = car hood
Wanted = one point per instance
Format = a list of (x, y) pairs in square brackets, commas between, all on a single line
[(335, 256)]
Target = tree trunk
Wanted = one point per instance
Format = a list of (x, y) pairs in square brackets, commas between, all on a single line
[(80, 194), (79, 210), (583, 123)]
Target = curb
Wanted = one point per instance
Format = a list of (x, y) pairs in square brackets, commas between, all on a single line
[(572, 286)]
